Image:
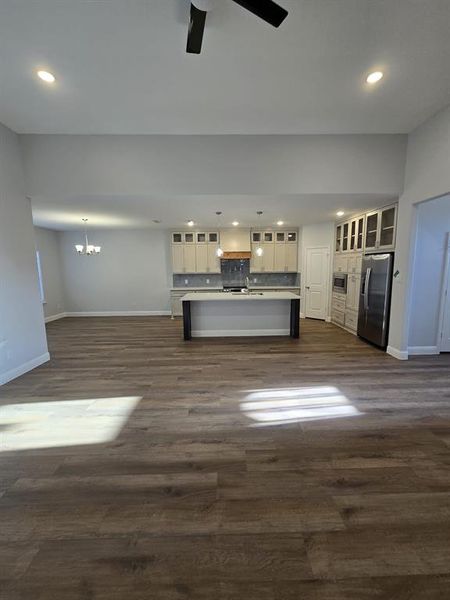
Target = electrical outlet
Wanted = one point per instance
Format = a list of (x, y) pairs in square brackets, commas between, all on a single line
[(255, 280), (186, 281), (207, 280)]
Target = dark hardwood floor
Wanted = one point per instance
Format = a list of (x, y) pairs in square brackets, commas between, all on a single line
[(250, 469)]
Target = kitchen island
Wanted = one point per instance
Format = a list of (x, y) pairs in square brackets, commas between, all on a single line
[(241, 314)]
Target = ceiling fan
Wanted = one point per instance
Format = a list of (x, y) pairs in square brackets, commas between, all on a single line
[(267, 10)]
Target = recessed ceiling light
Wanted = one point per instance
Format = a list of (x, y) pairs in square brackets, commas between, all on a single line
[(235, 223), (280, 223), (374, 77), (46, 76), (340, 213), (190, 223)]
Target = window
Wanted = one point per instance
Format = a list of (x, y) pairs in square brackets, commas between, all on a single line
[(40, 278)]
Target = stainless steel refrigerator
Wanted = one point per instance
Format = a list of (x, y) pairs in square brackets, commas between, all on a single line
[(375, 298)]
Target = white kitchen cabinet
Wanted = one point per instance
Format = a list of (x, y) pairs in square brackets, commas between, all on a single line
[(184, 258), (354, 264), (352, 298), (178, 258), (268, 257), (357, 234), (388, 226), (256, 261), (206, 259), (213, 259), (279, 261), (351, 320), (291, 257), (285, 254), (381, 226), (201, 258), (189, 258), (340, 264), (346, 237)]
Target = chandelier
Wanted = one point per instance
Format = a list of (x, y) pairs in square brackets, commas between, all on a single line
[(87, 249)]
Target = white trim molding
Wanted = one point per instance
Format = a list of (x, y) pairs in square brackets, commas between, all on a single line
[(55, 317), (239, 332), (396, 353), (24, 368), (422, 350), (120, 313)]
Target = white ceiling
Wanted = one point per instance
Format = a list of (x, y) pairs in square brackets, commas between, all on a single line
[(121, 67), (139, 212)]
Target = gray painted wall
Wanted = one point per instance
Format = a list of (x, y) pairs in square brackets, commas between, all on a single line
[(72, 165), (23, 341), (47, 242), (427, 176), (132, 272)]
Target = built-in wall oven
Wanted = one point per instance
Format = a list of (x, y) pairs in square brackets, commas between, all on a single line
[(340, 283)]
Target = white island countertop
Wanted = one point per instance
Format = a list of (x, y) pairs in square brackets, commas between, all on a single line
[(233, 296)]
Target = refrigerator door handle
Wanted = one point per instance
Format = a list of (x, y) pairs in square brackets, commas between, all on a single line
[(366, 288)]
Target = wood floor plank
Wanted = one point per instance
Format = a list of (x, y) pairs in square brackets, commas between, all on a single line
[(258, 468)]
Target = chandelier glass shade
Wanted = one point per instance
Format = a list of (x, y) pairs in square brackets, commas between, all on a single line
[(87, 249)]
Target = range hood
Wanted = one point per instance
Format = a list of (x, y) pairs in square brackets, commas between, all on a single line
[(235, 243)]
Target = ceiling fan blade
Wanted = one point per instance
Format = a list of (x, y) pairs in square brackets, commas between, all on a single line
[(196, 29), (265, 9)]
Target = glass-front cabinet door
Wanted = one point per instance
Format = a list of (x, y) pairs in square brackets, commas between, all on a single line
[(177, 238), (338, 247), (353, 234), (387, 227), (189, 238), (292, 236), (280, 236), (213, 237), (201, 238), (256, 237), (372, 230), (268, 237), (360, 233), (345, 237)]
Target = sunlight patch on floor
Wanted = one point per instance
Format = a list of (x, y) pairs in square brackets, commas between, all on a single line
[(296, 405), (63, 423)]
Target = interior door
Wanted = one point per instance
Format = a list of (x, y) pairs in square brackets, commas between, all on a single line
[(445, 333), (316, 282)]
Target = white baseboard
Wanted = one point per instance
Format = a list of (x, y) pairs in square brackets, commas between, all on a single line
[(240, 332), (55, 317), (22, 369), (120, 313), (302, 315), (399, 354), (422, 350), (327, 319)]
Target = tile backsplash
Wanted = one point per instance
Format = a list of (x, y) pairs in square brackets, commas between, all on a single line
[(215, 280), (197, 280)]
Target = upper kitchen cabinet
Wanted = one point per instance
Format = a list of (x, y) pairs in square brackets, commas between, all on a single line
[(279, 251), (285, 257), (346, 237), (357, 234), (195, 252), (372, 232), (381, 229), (183, 258), (338, 243)]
